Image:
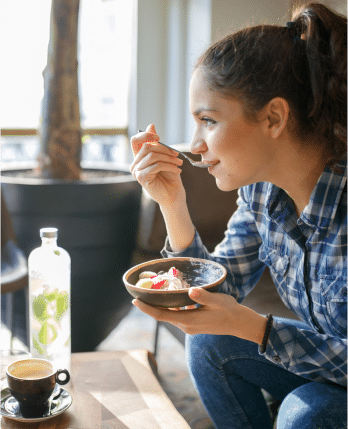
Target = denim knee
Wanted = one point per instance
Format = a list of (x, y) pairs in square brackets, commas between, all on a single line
[(311, 406), (196, 353), (211, 351)]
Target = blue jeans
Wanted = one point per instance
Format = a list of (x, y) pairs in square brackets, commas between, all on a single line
[(229, 373)]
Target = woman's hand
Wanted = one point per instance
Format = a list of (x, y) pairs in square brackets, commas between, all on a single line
[(156, 168), (219, 314)]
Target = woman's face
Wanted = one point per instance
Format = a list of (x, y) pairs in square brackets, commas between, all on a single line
[(239, 149)]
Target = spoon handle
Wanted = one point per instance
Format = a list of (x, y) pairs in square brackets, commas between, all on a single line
[(165, 145), (199, 164)]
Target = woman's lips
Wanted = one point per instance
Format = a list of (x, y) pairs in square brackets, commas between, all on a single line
[(212, 165), (211, 162)]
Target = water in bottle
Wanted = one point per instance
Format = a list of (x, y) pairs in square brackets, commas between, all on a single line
[(49, 300)]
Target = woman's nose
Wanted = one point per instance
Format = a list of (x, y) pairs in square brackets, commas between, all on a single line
[(198, 146)]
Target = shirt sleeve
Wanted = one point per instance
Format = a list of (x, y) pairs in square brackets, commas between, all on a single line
[(238, 252), (318, 357)]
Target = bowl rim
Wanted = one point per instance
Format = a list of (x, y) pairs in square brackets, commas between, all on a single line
[(175, 291)]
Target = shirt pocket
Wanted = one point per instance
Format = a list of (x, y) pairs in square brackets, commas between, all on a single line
[(277, 263), (334, 298), (279, 266)]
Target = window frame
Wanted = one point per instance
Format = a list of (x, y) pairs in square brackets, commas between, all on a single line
[(86, 131)]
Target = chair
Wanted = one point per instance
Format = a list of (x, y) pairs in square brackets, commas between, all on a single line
[(14, 268)]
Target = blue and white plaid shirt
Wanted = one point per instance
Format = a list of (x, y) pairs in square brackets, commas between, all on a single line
[(307, 257)]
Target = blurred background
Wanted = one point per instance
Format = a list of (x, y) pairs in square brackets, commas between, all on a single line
[(135, 63)]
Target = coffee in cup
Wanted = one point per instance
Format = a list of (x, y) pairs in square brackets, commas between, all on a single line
[(31, 383)]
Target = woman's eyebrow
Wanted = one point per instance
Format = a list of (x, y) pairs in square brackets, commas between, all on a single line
[(203, 109)]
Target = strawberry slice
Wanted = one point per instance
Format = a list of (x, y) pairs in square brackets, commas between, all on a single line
[(158, 285), (173, 272)]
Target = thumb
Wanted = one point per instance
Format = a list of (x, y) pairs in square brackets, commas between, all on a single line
[(151, 129), (201, 296), (136, 144)]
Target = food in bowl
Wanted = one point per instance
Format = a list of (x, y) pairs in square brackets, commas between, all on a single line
[(208, 275), (170, 280)]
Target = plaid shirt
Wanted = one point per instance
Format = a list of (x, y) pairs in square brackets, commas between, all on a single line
[(307, 257)]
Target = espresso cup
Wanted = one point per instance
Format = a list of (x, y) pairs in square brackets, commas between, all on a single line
[(31, 383)]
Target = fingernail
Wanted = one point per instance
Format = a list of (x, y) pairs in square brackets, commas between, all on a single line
[(194, 293), (135, 303)]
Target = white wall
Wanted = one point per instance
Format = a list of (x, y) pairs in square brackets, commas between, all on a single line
[(229, 16), (339, 6), (147, 101), (170, 35)]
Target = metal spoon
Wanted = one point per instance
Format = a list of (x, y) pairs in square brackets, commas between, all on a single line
[(199, 164), (55, 395)]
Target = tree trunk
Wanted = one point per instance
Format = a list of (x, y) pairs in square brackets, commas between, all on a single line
[(60, 128)]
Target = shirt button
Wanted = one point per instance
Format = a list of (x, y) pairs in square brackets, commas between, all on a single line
[(276, 359)]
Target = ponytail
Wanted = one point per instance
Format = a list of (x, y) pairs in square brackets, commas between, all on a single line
[(325, 38)]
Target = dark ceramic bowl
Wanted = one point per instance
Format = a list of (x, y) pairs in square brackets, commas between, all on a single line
[(197, 272)]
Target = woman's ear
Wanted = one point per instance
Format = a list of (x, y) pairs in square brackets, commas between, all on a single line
[(276, 113)]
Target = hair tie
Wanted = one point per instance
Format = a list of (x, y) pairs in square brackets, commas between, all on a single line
[(290, 25), (294, 32)]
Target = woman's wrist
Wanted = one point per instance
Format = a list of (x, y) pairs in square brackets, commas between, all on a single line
[(251, 325)]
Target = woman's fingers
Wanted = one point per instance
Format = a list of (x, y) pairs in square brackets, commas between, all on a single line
[(155, 163), (152, 152), (187, 307), (148, 175), (151, 129), (154, 160), (139, 139), (166, 315), (156, 167)]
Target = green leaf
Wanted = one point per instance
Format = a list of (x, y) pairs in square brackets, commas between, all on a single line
[(47, 334), (50, 296), (62, 305), (40, 308), (38, 347), (57, 252)]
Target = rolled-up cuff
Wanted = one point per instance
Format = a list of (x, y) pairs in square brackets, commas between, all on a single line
[(195, 250)]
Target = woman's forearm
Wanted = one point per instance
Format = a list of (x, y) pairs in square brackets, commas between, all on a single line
[(180, 228)]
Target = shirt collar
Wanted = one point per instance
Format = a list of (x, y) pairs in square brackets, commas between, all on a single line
[(325, 198), (323, 202)]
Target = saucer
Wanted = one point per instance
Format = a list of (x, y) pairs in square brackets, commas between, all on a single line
[(10, 408)]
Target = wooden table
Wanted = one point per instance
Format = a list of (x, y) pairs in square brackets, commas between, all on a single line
[(112, 390)]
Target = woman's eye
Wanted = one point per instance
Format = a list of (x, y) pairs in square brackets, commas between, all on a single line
[(208, 121)]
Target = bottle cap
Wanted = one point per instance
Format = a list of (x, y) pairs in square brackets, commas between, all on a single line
[(49, 232)]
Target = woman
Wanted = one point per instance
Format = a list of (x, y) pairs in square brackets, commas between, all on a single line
[(270, 107)]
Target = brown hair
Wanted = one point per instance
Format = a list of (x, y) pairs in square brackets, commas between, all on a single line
[(305, 63)]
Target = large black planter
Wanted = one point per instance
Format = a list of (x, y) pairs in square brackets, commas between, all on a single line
[(97, 224)]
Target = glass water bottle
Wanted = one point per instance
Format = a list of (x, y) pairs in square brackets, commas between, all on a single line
[(49, 300)]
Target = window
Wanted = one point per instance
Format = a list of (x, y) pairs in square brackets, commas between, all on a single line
[(105, 35)]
